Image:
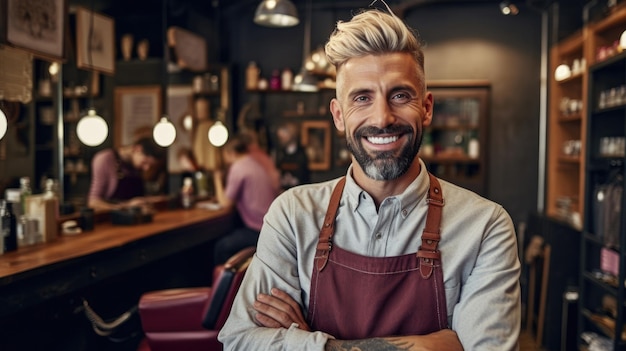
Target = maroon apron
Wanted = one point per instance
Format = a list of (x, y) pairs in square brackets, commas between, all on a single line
[(357, 297), (129, 182)]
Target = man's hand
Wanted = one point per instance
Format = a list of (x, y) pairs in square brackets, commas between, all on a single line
[(279, 310)]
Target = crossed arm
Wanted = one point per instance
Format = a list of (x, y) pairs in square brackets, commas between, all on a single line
[(279, 310)]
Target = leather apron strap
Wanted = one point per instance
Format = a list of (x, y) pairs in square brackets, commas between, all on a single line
[(325, 243), (428, 254)]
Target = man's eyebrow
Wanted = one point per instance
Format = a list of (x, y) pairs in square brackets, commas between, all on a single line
[(359, 91)]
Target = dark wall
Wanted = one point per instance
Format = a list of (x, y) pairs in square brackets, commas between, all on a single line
[(472, 41)]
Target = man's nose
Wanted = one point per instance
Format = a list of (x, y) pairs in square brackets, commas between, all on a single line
[(382, 114)]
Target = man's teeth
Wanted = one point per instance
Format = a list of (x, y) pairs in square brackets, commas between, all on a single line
[(382, 140)]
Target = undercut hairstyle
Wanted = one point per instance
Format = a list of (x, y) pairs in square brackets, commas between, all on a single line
[(372, 32), (150, 148)]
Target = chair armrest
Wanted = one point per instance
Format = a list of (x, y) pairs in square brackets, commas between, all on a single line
[(173, 309)]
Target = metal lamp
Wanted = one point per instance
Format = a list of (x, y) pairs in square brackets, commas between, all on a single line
[(276, 13)]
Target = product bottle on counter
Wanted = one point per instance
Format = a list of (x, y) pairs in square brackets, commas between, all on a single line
[(187, 193), (25, 191), (51, 212), (9, 227)]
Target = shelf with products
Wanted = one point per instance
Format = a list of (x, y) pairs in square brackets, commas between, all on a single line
[(454, 145), (603, 249), (45, 125), (566, 128)]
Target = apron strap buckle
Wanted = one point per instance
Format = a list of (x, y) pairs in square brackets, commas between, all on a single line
[(427, 260)]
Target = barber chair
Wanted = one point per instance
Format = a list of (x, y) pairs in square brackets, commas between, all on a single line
[(190, 318)]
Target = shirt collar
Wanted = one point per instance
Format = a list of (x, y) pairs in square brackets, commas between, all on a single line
[(412, 195)]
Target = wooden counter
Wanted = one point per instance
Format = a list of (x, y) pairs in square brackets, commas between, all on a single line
[(38, 273)]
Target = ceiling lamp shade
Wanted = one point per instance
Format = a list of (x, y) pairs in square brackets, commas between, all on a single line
[(164, 132), (276, 13), (218, 134), (305, 81), (92, 129)]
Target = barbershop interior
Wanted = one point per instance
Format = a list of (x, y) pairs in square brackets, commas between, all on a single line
[(529, 111)]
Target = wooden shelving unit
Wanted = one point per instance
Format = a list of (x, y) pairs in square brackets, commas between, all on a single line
[(566, 123)]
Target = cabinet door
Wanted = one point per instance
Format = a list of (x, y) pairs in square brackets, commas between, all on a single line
[(454, 146)]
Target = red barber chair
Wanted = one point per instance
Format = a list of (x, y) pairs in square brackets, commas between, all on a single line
[(189, 319)]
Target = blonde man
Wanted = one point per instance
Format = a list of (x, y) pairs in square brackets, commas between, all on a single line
[(388, 257)]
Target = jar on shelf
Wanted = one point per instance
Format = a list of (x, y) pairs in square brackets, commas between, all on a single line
[(252, 76)]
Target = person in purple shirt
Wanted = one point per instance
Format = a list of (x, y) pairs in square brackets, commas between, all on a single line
[(117, 174), (250, 189)]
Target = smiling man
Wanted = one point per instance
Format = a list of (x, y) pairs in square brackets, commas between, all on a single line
[(388, 257)]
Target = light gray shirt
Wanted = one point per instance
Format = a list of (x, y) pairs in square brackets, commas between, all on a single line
[(479, 256)]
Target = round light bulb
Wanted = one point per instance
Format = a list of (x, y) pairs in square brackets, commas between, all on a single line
[(164, 132), (3, 124), (92, 129), (218, 134)]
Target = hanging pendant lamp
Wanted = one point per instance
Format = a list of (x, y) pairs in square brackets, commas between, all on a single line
[(164, 132), (3, 124), (92, 129), (276, 13), (305, 80)]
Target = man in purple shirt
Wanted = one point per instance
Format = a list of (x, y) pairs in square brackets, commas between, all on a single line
[(117, 174), (250, 188)]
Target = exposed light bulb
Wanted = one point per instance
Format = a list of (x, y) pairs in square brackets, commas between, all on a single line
[(92, 129), (218, 134), (3, 124), (164, 132), (188, 122)]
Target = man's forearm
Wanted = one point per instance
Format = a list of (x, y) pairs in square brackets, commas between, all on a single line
[(445, 339)]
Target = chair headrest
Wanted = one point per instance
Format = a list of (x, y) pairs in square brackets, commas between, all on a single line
[(240, 260)]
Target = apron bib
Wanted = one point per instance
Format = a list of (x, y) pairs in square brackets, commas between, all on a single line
[(357, 297)]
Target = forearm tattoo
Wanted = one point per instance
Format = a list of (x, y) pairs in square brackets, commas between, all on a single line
[(378, 344)]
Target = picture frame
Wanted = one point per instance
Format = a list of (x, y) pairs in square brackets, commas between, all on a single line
[(98, 52), (37, 27), (137, 109), (316, 140)]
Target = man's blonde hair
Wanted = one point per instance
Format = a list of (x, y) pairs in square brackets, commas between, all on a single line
[(372, 32)]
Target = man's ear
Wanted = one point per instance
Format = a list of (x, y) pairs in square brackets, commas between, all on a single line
[(335, 110), (428, 104)]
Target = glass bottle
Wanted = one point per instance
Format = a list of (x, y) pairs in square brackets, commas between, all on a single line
[(275, 80), (286, 78), (252, 76), (25, 192), (187, 193), (9, 227)]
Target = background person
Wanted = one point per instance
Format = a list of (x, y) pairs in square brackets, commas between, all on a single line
[(117, 175), (250, 189), (291, 158), (387, 257)]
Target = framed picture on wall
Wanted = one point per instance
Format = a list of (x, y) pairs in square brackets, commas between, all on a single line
[(37, 26), (137, 109), (316, 142), (98, 52)]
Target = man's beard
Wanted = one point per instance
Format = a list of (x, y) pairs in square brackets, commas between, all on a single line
[(385, 165)]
